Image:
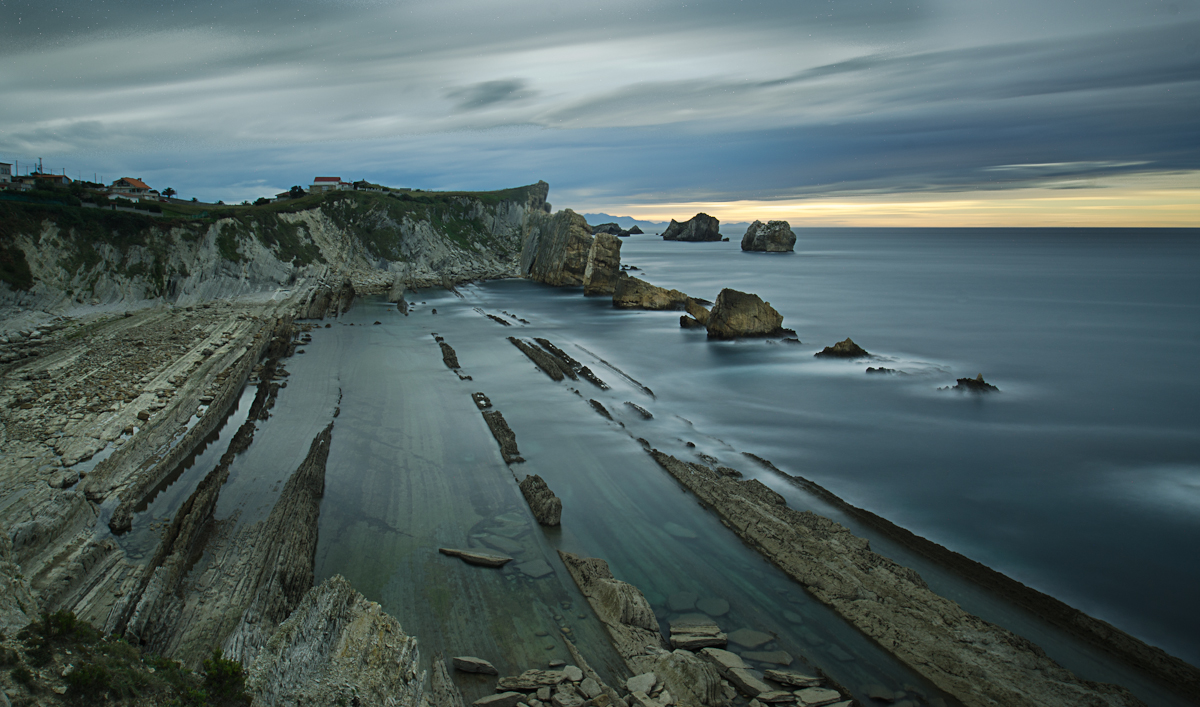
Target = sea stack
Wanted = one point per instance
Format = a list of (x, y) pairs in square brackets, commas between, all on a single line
[(737, 314), (771, 237), (700, 227)]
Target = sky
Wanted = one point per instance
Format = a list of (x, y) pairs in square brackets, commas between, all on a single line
[(822, 112)]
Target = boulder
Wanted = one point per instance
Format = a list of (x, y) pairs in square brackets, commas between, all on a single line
[(697, 311), (641, 683), (471, 664), (686, 322), (632, 293), (700, 227), (573, 673), (771, 237), (603, 265), (546, 507), (691, 681), (737, 314), (842, 349)]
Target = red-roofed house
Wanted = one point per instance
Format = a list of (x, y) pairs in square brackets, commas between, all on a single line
[(132, 185), (321, 184)]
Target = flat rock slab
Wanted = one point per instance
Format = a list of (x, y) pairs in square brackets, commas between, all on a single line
[(793, 679), (641, 683), (774, 657), (471, 664), (535, 568), (817, 696), (572, 673), (472, 557), (724, 660), (747, 682), (679, 531), (713, 606), (691, 642), (776, 696), (531, 680), (503, 699), (749, 638), (793, 617)]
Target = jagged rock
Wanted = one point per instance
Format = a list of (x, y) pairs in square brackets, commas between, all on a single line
[(609, 229), (635, 231), (471, 557), (632, 293), (443, 691), (531, 680), (697, 311), (622, 609), (556, 249), (449, 357), (771, 237), (842, 349), (691, 681), (737, 314), (700, 227), (603, 265), (546, 507), (504, 435), (17, 604), (975, 385), (643, 412), (550, 364), (337, 647), (791, 678), (696, 635), (566, 698), (686, 322), (471, 664), (723, 660)]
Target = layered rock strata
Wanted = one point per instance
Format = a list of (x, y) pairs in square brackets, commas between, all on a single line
[(771, 237), (700, 227), (633, 293), (338, 648), (977, 662), (550, 364), (737, 314), (546, 507), (603, 265), (556, 248), (504, 435)]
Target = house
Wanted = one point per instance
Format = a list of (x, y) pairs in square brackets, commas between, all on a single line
[(132, 185), (321, 184), (41, 180), (5, 173)]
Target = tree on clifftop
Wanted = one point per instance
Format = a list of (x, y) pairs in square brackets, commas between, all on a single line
[(296, 192), (169, 192)]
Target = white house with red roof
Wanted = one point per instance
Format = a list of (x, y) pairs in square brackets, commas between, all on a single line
[(321, 184), (126, 186)]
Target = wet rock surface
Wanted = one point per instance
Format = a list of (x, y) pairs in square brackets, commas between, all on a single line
[(632, 293), (740, 314), (700, 227), (770, 237), (546, 507), (505, 437), (556, 248), (843, 349), (603, 265), (974, 385)]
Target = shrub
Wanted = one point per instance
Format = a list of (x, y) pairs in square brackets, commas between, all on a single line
[(22, 676), (224, 681), (89, 681)]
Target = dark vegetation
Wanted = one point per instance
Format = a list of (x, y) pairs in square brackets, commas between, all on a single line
[(108, 670)]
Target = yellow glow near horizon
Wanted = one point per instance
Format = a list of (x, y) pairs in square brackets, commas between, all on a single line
[(1129, 201)]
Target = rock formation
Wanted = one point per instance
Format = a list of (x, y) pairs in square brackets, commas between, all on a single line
[(977, 662), (603, 265), (504, 436), (610, 228), (975, 385), (843, 349), (555, 249), (771, 237), (700, 227), (635, 231), (546, 507), (632, 293), (737, 314), (338, 648)]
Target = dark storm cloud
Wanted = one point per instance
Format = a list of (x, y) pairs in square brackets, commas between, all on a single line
[(755, 99), (487, 93)]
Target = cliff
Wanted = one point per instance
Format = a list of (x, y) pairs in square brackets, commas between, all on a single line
[(54, 256)]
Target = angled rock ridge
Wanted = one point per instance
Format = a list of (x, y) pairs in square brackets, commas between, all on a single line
[(68, 255)]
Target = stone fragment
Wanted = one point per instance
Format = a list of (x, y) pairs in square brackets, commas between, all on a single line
[(771, 237), (747, 682), (641, 683), (775, 657), (632, 293), (471, 664), (590, 688), (543, 693), (776, 696), (546, 507), (532, 680), (817, 696), (791, 678), (472, 557), (502, 699), (700, 227), (566, 699), (641, 699), (723, 660), (572, 673), (737, 314), (504, 435), (749, 638)]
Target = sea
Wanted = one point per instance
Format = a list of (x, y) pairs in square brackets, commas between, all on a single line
[(1080, 477)]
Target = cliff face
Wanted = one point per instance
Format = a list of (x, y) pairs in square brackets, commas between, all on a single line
[(53, 256), (555, 249)]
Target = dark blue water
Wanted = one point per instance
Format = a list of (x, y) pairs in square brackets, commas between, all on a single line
[(1081, 478)]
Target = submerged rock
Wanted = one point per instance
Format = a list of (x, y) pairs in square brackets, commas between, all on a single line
[(471, 664), (472, 557), (737, 314), (843, 349), (546, 507), (504, 435), (975, 385), (632, 293), (700, 227), (603, 265), (771, 237)]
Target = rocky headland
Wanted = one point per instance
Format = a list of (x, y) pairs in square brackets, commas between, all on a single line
[(771, 237)]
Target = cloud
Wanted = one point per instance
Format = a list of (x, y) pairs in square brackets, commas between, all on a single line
[(488, 93)]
